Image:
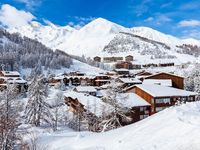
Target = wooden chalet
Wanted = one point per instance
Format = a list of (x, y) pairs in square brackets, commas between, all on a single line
[(139, 108), (129, 81), (129, 58), (161, 97), (177, 81), (12, 77), (97, 59), (123, 65), (122, 71), (101, 79), (112, 59), (86, 89)]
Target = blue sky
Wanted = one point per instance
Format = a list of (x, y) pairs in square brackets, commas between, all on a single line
[(177, 17)]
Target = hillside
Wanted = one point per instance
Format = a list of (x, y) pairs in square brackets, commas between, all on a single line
[(153, 133)]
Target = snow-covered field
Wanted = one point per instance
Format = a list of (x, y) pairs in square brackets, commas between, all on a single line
[(175, 128)]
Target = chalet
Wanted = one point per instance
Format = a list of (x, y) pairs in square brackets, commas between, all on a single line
[(129, 58), (97, 59), (139, 107), (9, 74), (12, 77), (177, 81), (85, 102), (143, 73), (112, 59), (123, 65), (122, 71), (161, 97), (86, 89), (101, 79), (165, 64), (136, 66), (129, 81)]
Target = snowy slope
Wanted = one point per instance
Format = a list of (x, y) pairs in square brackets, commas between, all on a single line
[(49, 34), (176, 128), (92, 38)]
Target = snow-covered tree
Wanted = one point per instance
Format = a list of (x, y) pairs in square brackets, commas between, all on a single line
[(57, 111), (112, 120), (37, 109), (10, 108)]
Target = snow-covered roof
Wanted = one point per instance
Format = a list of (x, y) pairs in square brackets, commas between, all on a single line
[(130, 80), (91, 103), (85, 89), (131, 100), (121, 69), (164, 82), (73, 77), (164, 91), (165, 73), (10, 73), (105, 86)]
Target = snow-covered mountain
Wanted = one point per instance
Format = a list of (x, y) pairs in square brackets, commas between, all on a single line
[(93, 38), (49, 34)]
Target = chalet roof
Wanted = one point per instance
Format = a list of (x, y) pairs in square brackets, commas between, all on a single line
[(163, 91), (130, 80), (85, 89), (163, 73), (121, 70), (18, 80), (10, 73), (91, 103), (164, 82), (131, 100)]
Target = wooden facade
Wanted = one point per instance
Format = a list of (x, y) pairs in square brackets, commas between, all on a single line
[(112, 59), (159, 103), (124, 65), (97, 59), (129, 58), (177, 81), (100, 80)]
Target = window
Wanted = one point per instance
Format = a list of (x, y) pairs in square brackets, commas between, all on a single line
[(162, 100), (160, 109), (143, 116), (142, 108)]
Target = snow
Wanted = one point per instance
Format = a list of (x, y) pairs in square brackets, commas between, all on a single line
[(91, 39), (91, 103), (164, 82), (164, 91), (10, 73), (85, 89), (131, 100), (175, 128), (130, 80)]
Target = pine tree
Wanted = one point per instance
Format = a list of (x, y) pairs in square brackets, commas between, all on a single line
[(37, 109)]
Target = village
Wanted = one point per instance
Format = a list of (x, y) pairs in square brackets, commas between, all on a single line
[(141, 94)]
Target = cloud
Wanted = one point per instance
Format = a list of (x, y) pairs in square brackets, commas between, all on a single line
[(141, 8), (189, 23), (80, 21), (150, 19), (11, 17), (30, 4), (191, 34), (158, 19)]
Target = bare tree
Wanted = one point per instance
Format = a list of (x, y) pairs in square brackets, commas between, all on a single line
[(9, 118)]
